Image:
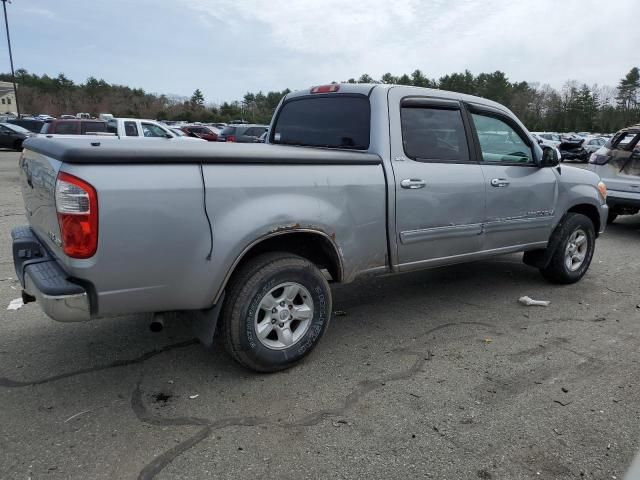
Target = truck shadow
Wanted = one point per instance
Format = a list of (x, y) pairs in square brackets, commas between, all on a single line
[(384, 305)]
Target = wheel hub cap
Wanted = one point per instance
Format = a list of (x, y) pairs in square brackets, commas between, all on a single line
[(284, 316), (576, 250)]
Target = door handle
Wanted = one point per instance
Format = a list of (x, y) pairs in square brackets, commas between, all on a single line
[(412, 183), (499, 182)]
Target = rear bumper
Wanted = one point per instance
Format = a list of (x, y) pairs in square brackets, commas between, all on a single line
[(42, 277)]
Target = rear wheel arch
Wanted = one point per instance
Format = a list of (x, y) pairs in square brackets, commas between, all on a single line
[(314, 245)]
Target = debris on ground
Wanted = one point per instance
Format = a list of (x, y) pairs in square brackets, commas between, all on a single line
[(194, 396), (77, 415), (15, 304), (339, 313), (528, 301), (487, 340)]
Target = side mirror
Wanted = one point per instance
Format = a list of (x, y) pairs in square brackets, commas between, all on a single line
[(550, 157)]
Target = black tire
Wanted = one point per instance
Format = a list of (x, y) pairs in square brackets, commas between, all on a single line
[(17, 145), (557, 271), (611, 217), (246, 290)]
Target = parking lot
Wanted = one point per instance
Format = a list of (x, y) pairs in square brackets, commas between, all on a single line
[(437, 374)]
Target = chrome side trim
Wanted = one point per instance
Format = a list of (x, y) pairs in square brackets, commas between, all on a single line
[(518, 224), (426, 234)]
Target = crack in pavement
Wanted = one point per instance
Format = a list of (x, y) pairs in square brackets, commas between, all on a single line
[(363, 388), (9, 383)]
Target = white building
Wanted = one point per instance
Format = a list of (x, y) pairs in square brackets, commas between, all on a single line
[(7, 98)]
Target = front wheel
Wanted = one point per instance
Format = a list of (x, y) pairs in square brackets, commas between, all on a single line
[(571, 260), (277, 308)]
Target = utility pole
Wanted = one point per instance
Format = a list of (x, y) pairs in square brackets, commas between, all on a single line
[(13, 74)]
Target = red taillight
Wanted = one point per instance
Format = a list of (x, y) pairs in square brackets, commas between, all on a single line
[(77, 207), (231, 138), (334, 87)]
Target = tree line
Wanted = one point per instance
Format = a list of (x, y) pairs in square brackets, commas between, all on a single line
[(574, 107)]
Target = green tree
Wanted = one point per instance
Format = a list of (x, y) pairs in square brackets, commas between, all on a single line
[(197, 99)]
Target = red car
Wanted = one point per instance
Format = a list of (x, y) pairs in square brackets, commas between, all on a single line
[(201, 131)]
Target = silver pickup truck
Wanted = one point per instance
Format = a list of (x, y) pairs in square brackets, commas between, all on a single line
[(353, 180)]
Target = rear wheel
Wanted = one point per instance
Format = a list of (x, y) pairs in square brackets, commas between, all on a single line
[(574, 252), (277, 308)]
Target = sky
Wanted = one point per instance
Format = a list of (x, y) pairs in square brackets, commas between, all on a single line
[(229, 47)]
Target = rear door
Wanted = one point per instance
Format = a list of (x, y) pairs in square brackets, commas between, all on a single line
[(440, 194), (521, 196)]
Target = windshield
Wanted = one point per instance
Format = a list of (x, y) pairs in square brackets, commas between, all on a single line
[(16, 128), (338, 121)]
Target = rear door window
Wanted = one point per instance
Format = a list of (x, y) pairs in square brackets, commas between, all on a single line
[(130, 129), (432, 134), (87, 128), (229, 131), (338, 121)]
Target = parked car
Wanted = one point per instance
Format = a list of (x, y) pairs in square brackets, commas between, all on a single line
[(242, 133), (592, 144), (209, 134), (12, 136), (618, 164), (177, 132), (84, 116), (572, 149), (45, 117), (550, 139), (66, 117), (32, 124), (74, 127), (354, 180), (130, 128)]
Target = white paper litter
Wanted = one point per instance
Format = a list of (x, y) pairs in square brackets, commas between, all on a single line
[(528, 301), (15, 304), (193, 396)]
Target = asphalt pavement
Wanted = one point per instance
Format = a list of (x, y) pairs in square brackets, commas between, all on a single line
[(437, 374)]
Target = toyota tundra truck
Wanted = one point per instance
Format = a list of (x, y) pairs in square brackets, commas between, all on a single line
[(353, 180)]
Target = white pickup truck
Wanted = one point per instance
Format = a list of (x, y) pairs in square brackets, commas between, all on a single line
[(147, 129)]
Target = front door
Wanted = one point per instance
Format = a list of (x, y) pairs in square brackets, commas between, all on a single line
[(439, 187), (521, 196)]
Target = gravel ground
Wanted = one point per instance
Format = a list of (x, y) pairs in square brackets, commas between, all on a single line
[(437, 374)]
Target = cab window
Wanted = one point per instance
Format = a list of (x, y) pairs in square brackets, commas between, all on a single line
[(151, 130), (434, 134), (499, 142)]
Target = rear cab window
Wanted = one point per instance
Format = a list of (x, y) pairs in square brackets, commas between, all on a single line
[(64, 128), (330, 121), (229, 131), (87, 128)]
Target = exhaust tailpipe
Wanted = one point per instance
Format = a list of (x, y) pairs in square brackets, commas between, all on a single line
[(157, 323)]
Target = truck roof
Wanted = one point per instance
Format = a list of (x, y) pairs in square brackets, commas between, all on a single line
[(367, 89)]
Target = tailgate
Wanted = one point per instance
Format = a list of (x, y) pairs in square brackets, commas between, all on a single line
[(38, 175)]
